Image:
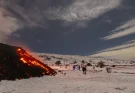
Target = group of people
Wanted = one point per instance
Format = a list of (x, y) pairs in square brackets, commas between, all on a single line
[(83, 67)]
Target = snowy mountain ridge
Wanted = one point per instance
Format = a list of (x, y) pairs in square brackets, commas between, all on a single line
[(45, 57)]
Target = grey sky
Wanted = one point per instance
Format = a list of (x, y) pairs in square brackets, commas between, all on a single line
[(81, 27)]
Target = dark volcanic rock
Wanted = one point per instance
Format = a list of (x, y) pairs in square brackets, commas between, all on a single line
[(16, 63)]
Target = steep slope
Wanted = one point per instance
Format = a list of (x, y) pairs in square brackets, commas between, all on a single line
[(16, 63)]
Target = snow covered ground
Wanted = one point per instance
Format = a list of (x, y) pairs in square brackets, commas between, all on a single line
[(75, 82), (52, 58), (121, 80)]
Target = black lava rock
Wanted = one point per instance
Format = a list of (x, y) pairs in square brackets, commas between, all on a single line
[(16, 63)]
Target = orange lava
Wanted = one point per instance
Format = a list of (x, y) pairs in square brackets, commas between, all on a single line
[(29, 60)]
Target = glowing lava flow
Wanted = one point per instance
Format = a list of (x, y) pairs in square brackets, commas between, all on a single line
[(27, 59)]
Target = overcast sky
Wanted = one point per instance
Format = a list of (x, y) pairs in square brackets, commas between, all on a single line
[(80, 27)]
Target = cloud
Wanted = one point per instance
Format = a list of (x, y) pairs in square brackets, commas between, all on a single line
[(125, 45), (7, 25), (124, 30), (15, 14), (13, 17), (125, 51), (83, 10)]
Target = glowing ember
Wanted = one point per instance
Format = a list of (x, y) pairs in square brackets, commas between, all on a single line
[(18, 49), (28, 59), (22, 59)]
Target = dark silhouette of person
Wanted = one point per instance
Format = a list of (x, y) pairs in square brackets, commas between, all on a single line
[(83, 66)]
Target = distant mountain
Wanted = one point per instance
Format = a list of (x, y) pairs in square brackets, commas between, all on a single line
[(76, 59)]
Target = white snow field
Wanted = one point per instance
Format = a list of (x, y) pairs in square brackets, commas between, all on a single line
[(121, 80), (73, 82)]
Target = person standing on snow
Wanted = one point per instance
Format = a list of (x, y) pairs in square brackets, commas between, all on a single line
[(84, 66)]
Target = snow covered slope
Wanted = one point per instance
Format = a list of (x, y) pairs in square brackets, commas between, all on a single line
[(70, 59), (73, 82)]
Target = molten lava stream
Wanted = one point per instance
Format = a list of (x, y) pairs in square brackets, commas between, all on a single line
[(28, 59)]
